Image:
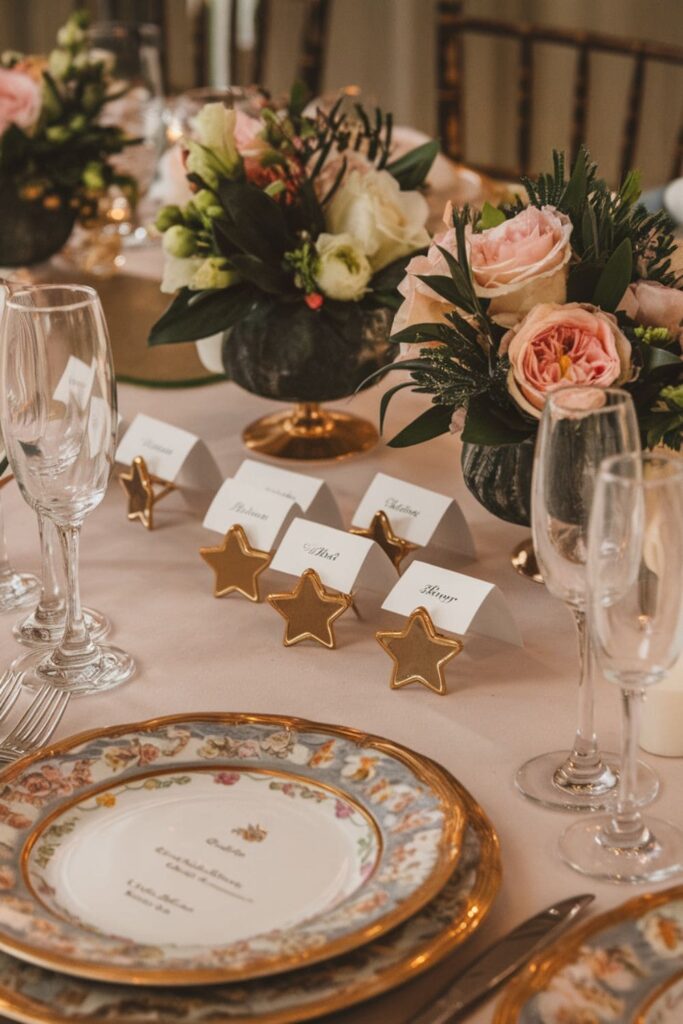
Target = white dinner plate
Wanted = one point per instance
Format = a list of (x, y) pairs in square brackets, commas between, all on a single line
[(204, 848)]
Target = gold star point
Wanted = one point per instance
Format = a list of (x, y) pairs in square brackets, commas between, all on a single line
[(310, 610), (419, 653), (237, 564), (137, 484), (381, 532)]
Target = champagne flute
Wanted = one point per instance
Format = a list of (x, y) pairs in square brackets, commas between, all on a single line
[(580, 426), (635, 578), (58, 415), (17, 589)]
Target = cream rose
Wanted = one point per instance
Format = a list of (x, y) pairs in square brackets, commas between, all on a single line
[(385, 221), (558, 346), (654, 305), (20, 100), (343, 270)]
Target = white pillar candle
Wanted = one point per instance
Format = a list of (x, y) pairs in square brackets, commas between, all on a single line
[(662, 716)]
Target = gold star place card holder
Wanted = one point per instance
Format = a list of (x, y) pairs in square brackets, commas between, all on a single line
[(143, 490), (419, 653)]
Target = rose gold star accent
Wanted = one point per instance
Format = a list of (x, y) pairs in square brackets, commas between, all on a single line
[(138, 484), (236, 564), (310, 610), (419, 653), (380, 531)]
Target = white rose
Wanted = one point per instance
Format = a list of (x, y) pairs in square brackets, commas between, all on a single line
[(343, 269), (385, 221)]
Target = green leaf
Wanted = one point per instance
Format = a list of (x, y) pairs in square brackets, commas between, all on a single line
[(443, 286), (256, 223), (488, 424), (386, 398), (267, 278), (298, 98), (491, 217), (435, 421), (194, 315), (416, 333), (574, 194), (615, 278), (411, 169)]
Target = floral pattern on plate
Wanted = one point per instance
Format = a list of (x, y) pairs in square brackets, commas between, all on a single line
[(412, 802), (46, 997), (623, 966)]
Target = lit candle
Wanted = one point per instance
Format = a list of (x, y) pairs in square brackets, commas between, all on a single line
[(662, 716)]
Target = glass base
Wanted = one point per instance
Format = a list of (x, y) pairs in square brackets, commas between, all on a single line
[(587, 849), (17, 590), (539, 780), (309, 432), (523, 560), (110, 668), (32, 633)]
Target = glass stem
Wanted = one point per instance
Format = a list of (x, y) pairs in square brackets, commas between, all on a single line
[(76, 647), (5, 568), (627, 829), (584, 766), (51, 604)]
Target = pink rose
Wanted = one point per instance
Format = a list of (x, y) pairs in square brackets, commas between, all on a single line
[(247, 135), (654, 305), (558, 346), (516, 265), (20, 100)]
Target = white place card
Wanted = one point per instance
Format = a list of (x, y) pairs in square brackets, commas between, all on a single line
[(342, 560), (309, 492), (171, 453), (265, 517), (456, 603), (416, 514), (77, 380)]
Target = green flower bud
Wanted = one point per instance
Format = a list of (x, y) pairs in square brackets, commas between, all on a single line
[(167, 217), (215, 211), (78, 123), (93, 177), (57, 133), (212, 273), (179, 241), (203, 199), (673, 396)]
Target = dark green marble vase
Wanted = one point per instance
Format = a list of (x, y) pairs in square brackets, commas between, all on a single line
[(500, 478), (28, 232)]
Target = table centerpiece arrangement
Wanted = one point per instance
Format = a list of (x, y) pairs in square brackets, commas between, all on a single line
[(54, 154), (293, 244), (517, 301)]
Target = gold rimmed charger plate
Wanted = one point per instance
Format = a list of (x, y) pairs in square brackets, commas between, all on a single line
[(39, 996), (401, 802), (620, 966)]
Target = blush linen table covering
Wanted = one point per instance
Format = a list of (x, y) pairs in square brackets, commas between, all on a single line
[(197, 653)]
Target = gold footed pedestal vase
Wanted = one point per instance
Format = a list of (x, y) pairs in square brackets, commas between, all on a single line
[(308, 432)]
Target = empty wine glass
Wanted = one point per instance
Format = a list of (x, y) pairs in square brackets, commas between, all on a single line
[(44, 627), (580, 426), (58, 415), (635, 576)]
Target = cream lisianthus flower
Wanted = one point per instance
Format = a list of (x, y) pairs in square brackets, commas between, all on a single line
[(212, 273), (178, 272), (385, 221), (213, 155), (343, 270)]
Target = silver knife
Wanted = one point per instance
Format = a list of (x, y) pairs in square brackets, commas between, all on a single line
[(501, 960)]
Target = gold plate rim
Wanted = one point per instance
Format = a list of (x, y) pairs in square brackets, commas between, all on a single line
[(472, 914), (425, 769), (543, 967)]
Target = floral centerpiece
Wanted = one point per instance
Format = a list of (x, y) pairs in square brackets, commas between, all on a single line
[(54, 155), (293, 244), (512, 303)]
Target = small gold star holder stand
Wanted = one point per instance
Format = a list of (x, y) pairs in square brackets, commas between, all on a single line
[(144, 491), (381, 531), (236, 564), (310, 610), (419, 653)]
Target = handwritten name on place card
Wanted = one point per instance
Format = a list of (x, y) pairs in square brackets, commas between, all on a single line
[(264, 516)]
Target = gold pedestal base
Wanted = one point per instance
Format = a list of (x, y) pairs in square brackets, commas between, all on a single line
[(309, 432), (524, 562)]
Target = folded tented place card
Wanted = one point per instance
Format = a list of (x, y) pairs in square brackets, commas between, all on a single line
[(311, 494), (455, 602), (265, 517), (342, 560), (416, 514), (170, 453)]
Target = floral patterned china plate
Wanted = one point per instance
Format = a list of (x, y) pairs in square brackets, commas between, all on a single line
[(206, 848), (33, 994), (624, 967)]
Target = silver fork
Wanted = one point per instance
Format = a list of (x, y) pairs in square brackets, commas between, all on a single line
[(10, 688), (38, 723)]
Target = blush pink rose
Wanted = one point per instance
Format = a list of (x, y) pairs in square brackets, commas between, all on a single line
[(20, 100), (558, 346), (654, 305), (516, 265), (247, 135)]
